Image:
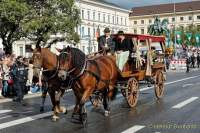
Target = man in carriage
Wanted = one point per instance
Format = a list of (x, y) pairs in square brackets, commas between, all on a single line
[(106, 43)]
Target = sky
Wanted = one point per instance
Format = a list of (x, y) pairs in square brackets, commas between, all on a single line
[(128, 4)]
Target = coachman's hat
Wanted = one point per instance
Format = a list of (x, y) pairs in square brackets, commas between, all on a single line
[(120, 32), (106, 30)]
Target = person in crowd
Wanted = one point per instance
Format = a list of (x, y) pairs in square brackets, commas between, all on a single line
[(5, 74), (106, 42), (30, 74), (198, 59), (167, 62), (193, 60), (188, 64), (19, 74)]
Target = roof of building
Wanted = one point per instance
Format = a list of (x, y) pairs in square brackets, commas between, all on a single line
[(165, 8), (108, 3)]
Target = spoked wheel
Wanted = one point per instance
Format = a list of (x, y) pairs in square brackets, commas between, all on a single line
[(96, 100), (132, 92), (159, 84)]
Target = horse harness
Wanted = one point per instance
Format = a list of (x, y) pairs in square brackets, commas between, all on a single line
[(74, 78)]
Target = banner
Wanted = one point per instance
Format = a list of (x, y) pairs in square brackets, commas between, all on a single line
[(178, 37), (197, 39), (188, 37)]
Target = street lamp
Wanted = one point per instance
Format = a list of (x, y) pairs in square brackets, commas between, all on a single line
[(175, 30)]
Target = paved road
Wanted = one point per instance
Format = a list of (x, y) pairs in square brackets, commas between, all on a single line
[(178, 111)]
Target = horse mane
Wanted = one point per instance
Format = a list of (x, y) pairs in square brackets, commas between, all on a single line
[(78, 57)]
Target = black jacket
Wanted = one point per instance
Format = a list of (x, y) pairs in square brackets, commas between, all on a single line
[(125, 45), (102, 41)]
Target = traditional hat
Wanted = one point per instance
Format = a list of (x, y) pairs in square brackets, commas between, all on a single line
[(106, 30), (120, 32)]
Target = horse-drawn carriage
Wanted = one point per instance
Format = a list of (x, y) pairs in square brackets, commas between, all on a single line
[(145, 64), (89, 76)]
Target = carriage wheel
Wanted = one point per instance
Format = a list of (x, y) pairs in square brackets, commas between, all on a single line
[(132, 92), (96, 100), (159, 84)]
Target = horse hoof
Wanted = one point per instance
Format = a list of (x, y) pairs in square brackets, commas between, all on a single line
[(55, 118), (84, 119), (106, 113), (41, 109)]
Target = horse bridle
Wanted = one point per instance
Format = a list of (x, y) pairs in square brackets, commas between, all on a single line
[(47, 70), (68, 72)]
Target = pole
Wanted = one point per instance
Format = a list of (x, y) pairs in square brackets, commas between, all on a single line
[(175, 30)]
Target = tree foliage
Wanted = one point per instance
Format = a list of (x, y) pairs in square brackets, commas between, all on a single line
[(44, 22), (12, 13)]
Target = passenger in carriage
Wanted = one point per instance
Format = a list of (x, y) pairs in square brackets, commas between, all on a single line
[(106, 43), (124, 48)]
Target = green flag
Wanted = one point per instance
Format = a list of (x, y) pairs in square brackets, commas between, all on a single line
[(197, 39), (178, 37), (189, 37)]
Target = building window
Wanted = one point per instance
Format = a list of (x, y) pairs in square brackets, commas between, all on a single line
[(99, 16), (94, 15), (83, 48), (82, 14), (173, 19), (190, 17), (198, 17), (21, 51), (121, 21), (135, 31), (83, 31), (108, 18), (150, 21), (117, 20), (113, 19), (142, 31), (142, 21), (88, 31), (181, 18), (88, 13), (135, 22), (125, 22), (94, 32), (104, 18), (95, 48)]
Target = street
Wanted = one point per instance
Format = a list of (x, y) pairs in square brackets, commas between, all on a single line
[(177, 112)]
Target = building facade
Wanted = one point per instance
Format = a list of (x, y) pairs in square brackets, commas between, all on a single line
[(177, 14), (96, 15)]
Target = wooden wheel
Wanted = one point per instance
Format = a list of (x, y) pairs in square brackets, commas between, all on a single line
[(159, 84), (96, 100), (132, 92)]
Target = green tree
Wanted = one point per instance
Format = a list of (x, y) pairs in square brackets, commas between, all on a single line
[(52, 21), (12, 13)]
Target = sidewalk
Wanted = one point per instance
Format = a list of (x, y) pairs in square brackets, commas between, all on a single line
[(182, 70), (29, 95)]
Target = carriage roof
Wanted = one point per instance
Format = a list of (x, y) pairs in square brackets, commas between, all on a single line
[(144, 37)]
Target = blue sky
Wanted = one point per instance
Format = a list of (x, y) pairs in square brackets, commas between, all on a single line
[(134, 3)]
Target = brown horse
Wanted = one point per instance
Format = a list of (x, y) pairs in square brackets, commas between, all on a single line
[(89, 75), (44, 59)]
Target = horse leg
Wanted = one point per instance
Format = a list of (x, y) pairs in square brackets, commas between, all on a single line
[(53, 100), (83, 114), (77, 107), (59, 108), (44, 94), (106, 103)]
